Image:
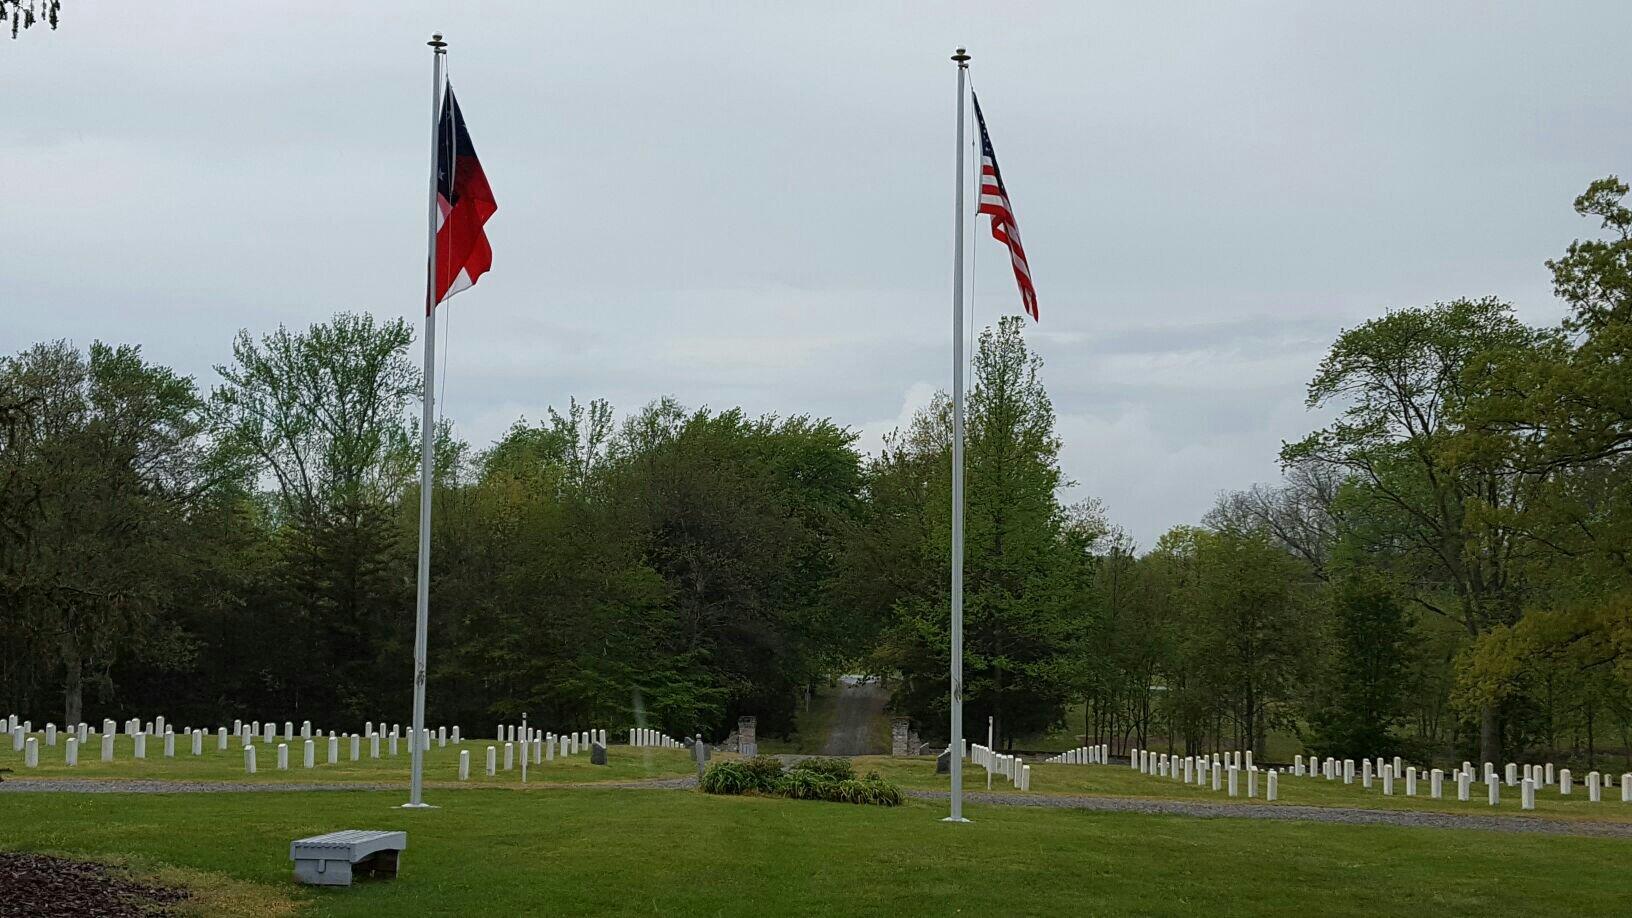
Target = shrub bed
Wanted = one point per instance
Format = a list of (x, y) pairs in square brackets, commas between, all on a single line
[(833, 780)]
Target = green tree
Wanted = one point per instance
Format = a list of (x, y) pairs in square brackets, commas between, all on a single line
[(1427, 496), (102, 460), (1364, 684), (324, 415)]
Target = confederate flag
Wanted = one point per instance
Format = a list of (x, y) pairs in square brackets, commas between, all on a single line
[(463, 204)]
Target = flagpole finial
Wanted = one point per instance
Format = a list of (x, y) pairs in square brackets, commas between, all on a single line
[(962, 57), (437, 42)]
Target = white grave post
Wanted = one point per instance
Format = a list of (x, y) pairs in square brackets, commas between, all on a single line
[(311, 754), (1436, 783), (549, 747), (169, 744), (1297, 765), (374, 746), (140, 739), (249, 760), (283, 757), (464, 764), (1388, 780), (1626, 787), (1218, 777), (509, 756), (1511, 774), (356, 747), (1549, 770), (17, 738), (1270, 788), (441, 737), (107, 747), (1411, 781), (50, 734), (1594, 787), (1565, 784), (1495, 792), (198, 742), (1464, 780), (1348, 771), (334, 749), (456, 739), (221, 740), (71, 751), (1527, 794), (1365, 773), (393, 745), (492, 761), (31, 753)]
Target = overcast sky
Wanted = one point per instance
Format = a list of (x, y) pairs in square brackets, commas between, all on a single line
[(751, 204)]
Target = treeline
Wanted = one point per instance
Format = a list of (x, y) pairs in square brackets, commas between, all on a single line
[(1443, 572), (252, 549)]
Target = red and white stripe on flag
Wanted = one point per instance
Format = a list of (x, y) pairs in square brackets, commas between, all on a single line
[(463, 203), (994, 201)]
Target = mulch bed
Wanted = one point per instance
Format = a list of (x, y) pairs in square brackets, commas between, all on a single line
[(49, 887)]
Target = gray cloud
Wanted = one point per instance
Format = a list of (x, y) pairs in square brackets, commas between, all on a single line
[(749, 203)]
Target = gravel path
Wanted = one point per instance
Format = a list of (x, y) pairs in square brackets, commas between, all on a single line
[(1350, 816), (130, 786)]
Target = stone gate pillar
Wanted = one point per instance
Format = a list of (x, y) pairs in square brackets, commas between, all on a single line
[(900, 728)]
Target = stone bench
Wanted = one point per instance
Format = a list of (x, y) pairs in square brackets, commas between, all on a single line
[(328, 860)]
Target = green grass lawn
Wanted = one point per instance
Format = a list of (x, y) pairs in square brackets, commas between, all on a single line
[(624, 763), (1122, 781), (626, 852)]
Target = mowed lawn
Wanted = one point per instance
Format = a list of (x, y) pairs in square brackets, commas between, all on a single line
[(1123, 781), (624, 763), (603, 851)]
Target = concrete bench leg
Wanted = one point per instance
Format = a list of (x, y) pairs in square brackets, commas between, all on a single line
[(323, 872), (380, 863)]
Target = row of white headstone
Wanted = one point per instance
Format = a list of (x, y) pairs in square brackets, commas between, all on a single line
[(644, 737), (1526, 777), (1223, 771), (540, 747), (1082, 755), (997, 763), (139, 733)]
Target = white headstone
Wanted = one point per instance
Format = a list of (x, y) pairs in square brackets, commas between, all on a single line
[(311, 754), (1436, 784), (492, 761), (1527, 795), (221, 740), (1270, 789), (356, 747), (509, 756), (464, 764), (249, 760), (107, 747), (334, 749), (283, 757), (50, 734), (1565, 783), (374, 746), (169, 744), (1594, 787), (31, 753), (71, 751), (141, 745)]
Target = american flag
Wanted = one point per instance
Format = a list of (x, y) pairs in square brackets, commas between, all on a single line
[(994, 200)]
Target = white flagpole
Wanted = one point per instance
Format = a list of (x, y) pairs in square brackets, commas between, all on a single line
[(962, 58), (427, 452)]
